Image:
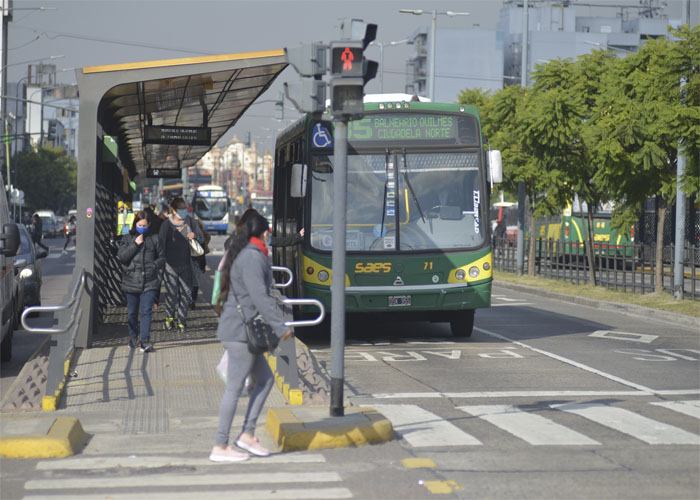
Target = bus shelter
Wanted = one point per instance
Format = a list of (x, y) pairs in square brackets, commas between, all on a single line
[(142, 119)]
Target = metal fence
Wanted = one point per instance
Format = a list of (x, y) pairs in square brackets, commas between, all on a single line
[(626, 268), (66, 317)]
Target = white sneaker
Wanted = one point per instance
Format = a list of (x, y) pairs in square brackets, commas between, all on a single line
[(227, 455), (253, 447)]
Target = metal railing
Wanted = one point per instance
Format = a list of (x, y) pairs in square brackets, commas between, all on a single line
[(286, 367), (62, 343), (627, 268)]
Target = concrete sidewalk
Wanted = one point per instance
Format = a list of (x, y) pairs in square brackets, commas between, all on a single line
[(127, 401)]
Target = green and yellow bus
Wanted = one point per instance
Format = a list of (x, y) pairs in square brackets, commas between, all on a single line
[(418, 235)]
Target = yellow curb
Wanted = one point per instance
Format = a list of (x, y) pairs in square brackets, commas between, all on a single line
[(65, 437), (290, 433), (50, 402), (418, 463), (442, 487)]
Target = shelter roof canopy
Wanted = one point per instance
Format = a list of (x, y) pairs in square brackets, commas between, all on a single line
[(209, 91)]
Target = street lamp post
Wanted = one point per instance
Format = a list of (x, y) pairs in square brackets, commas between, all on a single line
[(381, 46), (434, 13)]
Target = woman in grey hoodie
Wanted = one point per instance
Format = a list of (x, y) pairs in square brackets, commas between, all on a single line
[(246, 280)]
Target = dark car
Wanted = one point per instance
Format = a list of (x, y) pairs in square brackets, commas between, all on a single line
[(28, 271)]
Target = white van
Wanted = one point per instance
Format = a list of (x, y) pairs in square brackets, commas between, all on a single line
[(9, 243)]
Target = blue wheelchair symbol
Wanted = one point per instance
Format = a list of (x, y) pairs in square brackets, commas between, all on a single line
[(321, 138)]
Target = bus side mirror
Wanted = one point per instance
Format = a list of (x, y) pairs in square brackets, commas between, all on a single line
[(297, 189), (496, 166)]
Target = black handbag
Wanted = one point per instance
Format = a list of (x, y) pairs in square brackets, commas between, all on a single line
[(261, 337)]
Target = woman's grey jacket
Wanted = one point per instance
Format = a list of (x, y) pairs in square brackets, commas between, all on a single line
[(250, 278), (143, 264)]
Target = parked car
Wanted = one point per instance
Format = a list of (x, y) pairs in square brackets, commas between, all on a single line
[(28, 271), (49, 222)]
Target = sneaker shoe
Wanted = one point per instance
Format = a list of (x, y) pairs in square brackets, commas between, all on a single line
[(132, 344), (181, 328), (227, 455), (253, 446), (147, 346), (169, 323)]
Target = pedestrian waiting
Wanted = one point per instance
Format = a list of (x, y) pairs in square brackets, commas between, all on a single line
[(142, 255), (246, 280)]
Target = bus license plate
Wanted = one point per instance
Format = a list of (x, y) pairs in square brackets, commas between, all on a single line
[(399, 300)]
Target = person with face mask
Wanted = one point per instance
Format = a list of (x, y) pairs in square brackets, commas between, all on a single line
[(142, 255), (180, 278)]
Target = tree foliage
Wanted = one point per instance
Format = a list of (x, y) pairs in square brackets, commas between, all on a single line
[(48, 178), (601, 127)]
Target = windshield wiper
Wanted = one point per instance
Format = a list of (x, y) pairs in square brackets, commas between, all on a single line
[(410, 188), (386, 182)]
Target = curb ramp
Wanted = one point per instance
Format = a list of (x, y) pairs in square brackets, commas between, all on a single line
[(65, 438), (309, 428)]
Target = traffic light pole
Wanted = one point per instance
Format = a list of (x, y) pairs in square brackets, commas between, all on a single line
[(340, 193)]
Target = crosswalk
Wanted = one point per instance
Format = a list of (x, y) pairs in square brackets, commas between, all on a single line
[(539, 426), (307, 475), (292, 476)]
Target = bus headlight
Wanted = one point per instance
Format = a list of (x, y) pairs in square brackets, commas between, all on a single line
[(323, 276), (474, 272), (487, 266), (460, 274)]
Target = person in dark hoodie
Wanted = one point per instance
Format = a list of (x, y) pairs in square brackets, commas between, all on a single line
[(143, 257)]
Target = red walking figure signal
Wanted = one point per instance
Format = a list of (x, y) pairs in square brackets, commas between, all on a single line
[(347, 59)]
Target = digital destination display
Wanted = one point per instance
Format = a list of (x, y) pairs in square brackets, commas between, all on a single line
[(414, 128)]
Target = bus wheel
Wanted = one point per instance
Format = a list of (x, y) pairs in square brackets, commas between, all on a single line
[(462, 323)]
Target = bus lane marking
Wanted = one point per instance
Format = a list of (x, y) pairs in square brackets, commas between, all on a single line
[(631, 337), (418, 355), (571, 362)]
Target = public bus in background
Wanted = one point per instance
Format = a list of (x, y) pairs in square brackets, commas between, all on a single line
[(569, 231), (210, 205), (418, 236), (262, 202)]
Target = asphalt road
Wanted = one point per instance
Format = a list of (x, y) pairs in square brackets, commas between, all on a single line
[(547, 400)]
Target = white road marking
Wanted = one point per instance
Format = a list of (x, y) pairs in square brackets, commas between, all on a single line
[(631, 337), (422, 428), (690, 408), (530, 427), (140, 461), (511, 304), (162, 480), (507, 394), (630, 423), (571, 362), (281, 493)]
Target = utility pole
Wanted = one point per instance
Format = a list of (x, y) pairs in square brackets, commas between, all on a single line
[(6, 17), (678, 274), (520, 244)]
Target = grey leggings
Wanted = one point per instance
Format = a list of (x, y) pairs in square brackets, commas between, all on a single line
[(240, 364)]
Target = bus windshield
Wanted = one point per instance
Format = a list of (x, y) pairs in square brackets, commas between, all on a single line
[(210, 208), (401, 201)]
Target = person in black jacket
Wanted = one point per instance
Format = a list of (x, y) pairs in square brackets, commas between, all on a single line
[(144, 258), (179, 276)]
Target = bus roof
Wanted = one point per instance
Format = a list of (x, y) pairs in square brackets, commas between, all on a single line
[(209, 187)]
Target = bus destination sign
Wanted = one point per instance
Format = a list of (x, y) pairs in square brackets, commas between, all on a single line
[(413, 128), (185, 136), (166, 173)]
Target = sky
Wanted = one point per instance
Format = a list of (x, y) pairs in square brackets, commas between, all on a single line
[(99, 32)]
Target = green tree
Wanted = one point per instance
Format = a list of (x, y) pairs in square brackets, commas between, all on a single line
[(48, 178), (642, 115)]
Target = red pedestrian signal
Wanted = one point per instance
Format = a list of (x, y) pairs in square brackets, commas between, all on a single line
[(347, 59)]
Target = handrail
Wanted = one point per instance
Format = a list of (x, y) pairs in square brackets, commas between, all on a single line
[(80, 282), (284, 270), (306, 302)]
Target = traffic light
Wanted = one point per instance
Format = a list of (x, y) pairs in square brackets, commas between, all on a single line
[(350, 71), (309, 96), (279, 107), (51, 136)]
